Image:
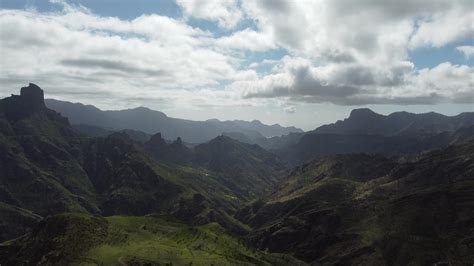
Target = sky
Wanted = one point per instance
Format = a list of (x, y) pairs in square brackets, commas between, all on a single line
[(301, 63)]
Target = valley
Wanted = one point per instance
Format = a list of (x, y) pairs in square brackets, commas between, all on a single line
[(136, 187)]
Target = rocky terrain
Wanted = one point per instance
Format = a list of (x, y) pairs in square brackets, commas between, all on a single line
[(391, 190)]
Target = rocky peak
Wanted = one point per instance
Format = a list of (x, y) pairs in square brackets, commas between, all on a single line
[(32, 95), (156, 141), (363, 113), (30, 100)]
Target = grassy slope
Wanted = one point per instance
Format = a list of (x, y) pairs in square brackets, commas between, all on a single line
[(15, 221), (88, 240)]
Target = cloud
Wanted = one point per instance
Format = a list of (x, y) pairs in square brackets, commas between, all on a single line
[(112, 65), (444, 26), (75, 50), (357, 52), (290, 109), (298, 81), (225, 12), (452, 82), (338, 51), (467, 50), (247, 39)]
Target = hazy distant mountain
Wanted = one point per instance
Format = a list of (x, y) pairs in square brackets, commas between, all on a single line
[(315, 145), (151, 122), (367, 122), (95, 131), (366, 131), (397, 134), (256, 126)]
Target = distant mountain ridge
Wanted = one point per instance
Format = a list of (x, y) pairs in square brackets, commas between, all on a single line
[(267, 131), (151, 122), (367, 131), (367, 122), (396, 134)]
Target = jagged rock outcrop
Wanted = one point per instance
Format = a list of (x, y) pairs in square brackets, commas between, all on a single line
[(30, 101), (156, 141), (33, 96)]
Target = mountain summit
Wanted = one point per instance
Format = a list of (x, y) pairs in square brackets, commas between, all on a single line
[(33, 95), (363, 113), (31, 99)]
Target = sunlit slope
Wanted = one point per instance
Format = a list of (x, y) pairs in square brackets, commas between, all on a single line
[(125, 240)]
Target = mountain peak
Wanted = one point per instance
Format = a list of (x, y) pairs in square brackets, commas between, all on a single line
[(221, 138), (33, 94), (178, 141), (31, 99), (256, 122), (362, 113), (156, 140)]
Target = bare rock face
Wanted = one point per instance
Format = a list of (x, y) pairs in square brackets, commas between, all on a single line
[(33, 95), (156, 141), (29, 103), (30, 100)]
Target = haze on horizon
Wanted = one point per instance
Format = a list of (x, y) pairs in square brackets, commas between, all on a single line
[(300, 63)]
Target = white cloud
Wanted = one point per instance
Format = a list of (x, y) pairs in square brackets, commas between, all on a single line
[(338, 51), (452, 82), (297, 80), (363, 30), (80, 56), (249, 40), (357, 52), (290, 109), (444, 27), (225, 12), (467, 50)]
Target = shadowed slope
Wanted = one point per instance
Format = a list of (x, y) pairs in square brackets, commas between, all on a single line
[(359, 209)]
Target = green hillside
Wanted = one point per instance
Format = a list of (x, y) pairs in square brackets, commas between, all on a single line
[(125, 240)]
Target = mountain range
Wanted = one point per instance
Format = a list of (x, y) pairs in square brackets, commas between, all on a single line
[(367, 122), (151, 121), (371, 190), (397, 134)]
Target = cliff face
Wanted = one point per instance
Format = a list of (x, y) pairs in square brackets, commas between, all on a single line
[(30, 101), (33, 96)]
